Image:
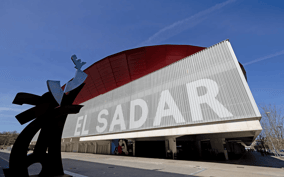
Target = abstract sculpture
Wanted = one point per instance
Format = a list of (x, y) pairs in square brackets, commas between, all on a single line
[(50, 113)]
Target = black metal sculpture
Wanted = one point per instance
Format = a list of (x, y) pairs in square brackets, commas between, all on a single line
[(50, 113)]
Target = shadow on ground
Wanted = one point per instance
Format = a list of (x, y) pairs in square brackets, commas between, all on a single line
[(98, 169), (91, 169), (251, 159), (101, 169), (256, 159)]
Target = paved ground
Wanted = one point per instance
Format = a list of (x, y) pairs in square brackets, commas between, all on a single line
[(256, 159), (82, 165)]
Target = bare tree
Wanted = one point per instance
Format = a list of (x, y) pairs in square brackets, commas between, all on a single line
[(272, 123), (5, 138), (8, 138)]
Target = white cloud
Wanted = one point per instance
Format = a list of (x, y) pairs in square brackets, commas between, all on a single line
[(264, 58), (6, 97), (6, 100), (10, 109), (10, 122), (6, 115), (184, 24)]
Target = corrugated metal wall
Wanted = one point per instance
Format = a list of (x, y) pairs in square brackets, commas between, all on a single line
[(207, 86), (124, 67)]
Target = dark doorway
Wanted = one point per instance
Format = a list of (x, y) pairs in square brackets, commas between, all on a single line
[(154, 149), (186, 150), (206, 150)]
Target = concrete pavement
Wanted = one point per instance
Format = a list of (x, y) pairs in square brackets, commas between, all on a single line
[(181, 166), (252, 164)]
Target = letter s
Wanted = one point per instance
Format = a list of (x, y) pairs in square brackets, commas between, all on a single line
[(102, 120)]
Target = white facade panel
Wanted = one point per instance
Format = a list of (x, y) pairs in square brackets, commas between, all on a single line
[(232, 127), (205, 87)]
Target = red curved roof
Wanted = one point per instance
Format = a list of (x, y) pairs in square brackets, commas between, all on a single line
[(124, 67)]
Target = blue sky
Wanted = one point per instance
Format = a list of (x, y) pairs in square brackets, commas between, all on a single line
[(37, 39)]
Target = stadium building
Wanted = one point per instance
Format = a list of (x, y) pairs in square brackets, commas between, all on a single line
[(166, 101)]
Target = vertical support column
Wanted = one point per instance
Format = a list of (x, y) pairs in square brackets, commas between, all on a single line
[(133, 148), (95, 144), (79, 147), (67, 147), (173, 146), (109, 147), (166, 146), (62, 146), (86, 146), (198, 147), (92, 147), (71, 145), (217, 145)]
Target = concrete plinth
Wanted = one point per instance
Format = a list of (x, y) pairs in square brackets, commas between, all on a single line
[(133, 148), (198, 147)]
